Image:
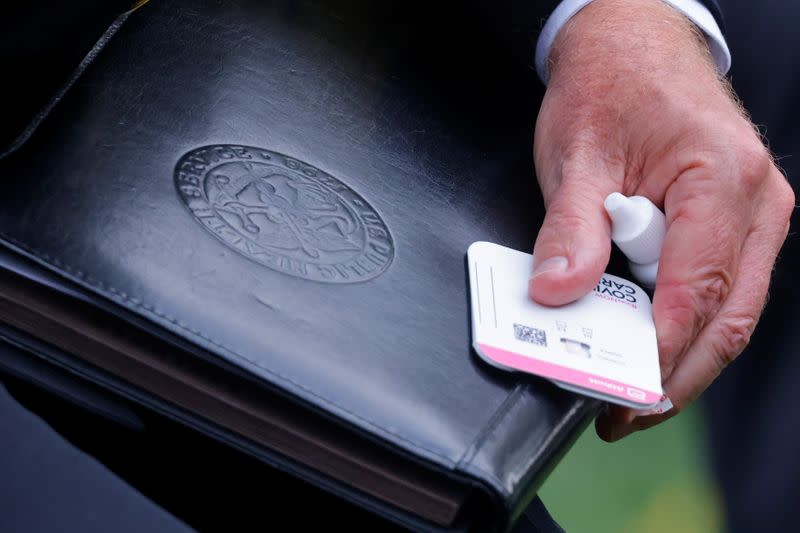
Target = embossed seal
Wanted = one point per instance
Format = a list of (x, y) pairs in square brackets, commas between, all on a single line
[(283, 213)]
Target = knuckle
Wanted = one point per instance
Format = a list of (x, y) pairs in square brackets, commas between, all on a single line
[(701, 293), (695, 301), (688, 307), (569, 223), (785, 199), (753, 165), (710, 289), (732, 338)]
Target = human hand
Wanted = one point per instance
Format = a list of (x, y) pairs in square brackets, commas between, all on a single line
[(634, 104)]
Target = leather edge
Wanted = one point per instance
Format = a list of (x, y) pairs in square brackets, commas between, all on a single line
[(43, 113), (519, 481), (53, 356)]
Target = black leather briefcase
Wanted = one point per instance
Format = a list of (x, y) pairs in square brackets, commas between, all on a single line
[(252, 217)]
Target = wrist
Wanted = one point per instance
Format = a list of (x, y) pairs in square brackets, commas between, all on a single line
[(614, 40)]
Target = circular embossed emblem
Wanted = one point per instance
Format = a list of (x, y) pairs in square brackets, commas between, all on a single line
[(283, 213)]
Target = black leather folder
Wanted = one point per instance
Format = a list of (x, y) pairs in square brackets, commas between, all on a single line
[(253, 217)]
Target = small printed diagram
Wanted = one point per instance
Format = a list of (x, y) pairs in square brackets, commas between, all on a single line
[(578, 348)]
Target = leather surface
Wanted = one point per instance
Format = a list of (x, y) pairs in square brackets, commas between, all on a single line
[(412, 120)]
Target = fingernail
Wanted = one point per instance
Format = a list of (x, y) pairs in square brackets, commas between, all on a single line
[(554, 264)]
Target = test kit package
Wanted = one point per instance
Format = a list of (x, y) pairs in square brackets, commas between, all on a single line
[(602, 345)]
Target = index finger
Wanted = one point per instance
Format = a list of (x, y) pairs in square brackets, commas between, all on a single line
[(708, 217), (726, 336)]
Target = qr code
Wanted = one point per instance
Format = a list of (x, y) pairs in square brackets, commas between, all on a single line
[(531, 335)]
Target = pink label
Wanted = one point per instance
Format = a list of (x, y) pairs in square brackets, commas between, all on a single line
[(568, 375)]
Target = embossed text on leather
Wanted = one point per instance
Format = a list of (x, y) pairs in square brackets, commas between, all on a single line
[(283, 213)]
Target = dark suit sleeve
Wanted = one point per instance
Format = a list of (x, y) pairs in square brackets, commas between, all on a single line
[(513, 24), (518, 22), (542, 10)]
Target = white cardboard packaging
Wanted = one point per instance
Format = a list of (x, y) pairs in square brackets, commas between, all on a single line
[(602, 345)]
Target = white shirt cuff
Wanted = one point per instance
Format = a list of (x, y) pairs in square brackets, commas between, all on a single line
[(693, 9)]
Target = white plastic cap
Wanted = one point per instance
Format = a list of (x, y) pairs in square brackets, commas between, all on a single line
[(637, 228), (645, 273)]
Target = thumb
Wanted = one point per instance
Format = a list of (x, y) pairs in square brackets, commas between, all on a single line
[(574, 242)]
